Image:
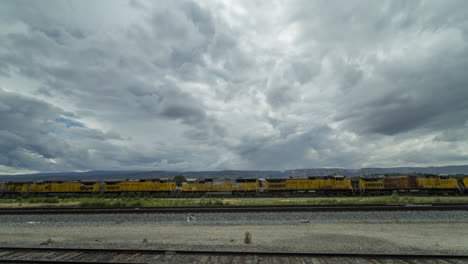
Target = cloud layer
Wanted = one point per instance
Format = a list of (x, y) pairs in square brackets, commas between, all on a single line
[(182, 85)]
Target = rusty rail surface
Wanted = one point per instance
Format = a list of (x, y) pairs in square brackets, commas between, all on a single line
[(221, 252)]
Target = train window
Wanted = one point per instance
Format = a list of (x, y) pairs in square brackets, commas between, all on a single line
[(275, 180)]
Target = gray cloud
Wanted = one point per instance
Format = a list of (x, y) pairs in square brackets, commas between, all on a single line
[(31, 138), (195, 85)]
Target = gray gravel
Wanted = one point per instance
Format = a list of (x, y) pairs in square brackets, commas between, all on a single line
[(241, 218)]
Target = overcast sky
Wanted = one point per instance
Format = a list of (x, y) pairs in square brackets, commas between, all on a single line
[(211, 85)]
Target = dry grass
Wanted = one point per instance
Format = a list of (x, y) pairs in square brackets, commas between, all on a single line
[(48, 242), (19, 205), (172, 202)]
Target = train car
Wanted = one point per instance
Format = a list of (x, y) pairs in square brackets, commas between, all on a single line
[(206, 185), (302, 184), (388, 185), (242, 185), (438, 184), (74, 187), (401, 184), (320, 184), (192, 185), (275, 185), (212, 185), (40, 187), (65, 187), (16, 187), (165, 185), (290, 185), (156, 185), (199, 185), (209, 185), (335, 184), (465, 183)]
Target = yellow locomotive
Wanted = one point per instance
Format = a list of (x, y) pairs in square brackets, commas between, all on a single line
[(465, 183), (322, 184), (156, 185), (206, 185), (65, 187), (15, 187), (424, 184), (240, 185), (438, 183)]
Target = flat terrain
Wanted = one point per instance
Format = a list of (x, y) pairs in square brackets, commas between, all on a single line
[(366, 232)]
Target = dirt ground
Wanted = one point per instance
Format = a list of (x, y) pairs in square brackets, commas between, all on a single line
[(381, 238)]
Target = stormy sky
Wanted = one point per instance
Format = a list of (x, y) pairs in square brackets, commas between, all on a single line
[(213, 85)]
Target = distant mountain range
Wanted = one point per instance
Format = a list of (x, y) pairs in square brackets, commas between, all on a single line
[(122, 175)]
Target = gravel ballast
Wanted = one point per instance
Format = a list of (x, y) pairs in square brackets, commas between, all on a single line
[(242, 218)]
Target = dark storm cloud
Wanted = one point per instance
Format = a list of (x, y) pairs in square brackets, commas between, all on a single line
[(99, 80), (32, 138), (235, 85), (317, 147), (428, 93), (399, 67)]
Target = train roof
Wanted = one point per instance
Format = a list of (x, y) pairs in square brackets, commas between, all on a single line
[(246, 179), (137, 180), (305, 177), (403, 176)]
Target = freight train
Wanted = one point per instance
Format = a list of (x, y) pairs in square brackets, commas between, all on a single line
[(320, 185)]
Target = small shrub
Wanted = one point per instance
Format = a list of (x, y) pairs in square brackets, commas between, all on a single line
[(145, 240), (44, 200), (90, 202), (247, 238), (48, 242), (135, 203)]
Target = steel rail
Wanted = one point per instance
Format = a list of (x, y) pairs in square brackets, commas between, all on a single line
[(243, 253), (237, 209)]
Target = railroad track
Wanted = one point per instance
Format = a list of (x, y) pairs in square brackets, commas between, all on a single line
[(124, 256), (236, 209)]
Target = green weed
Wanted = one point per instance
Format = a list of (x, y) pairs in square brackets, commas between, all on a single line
[(247, 238)]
